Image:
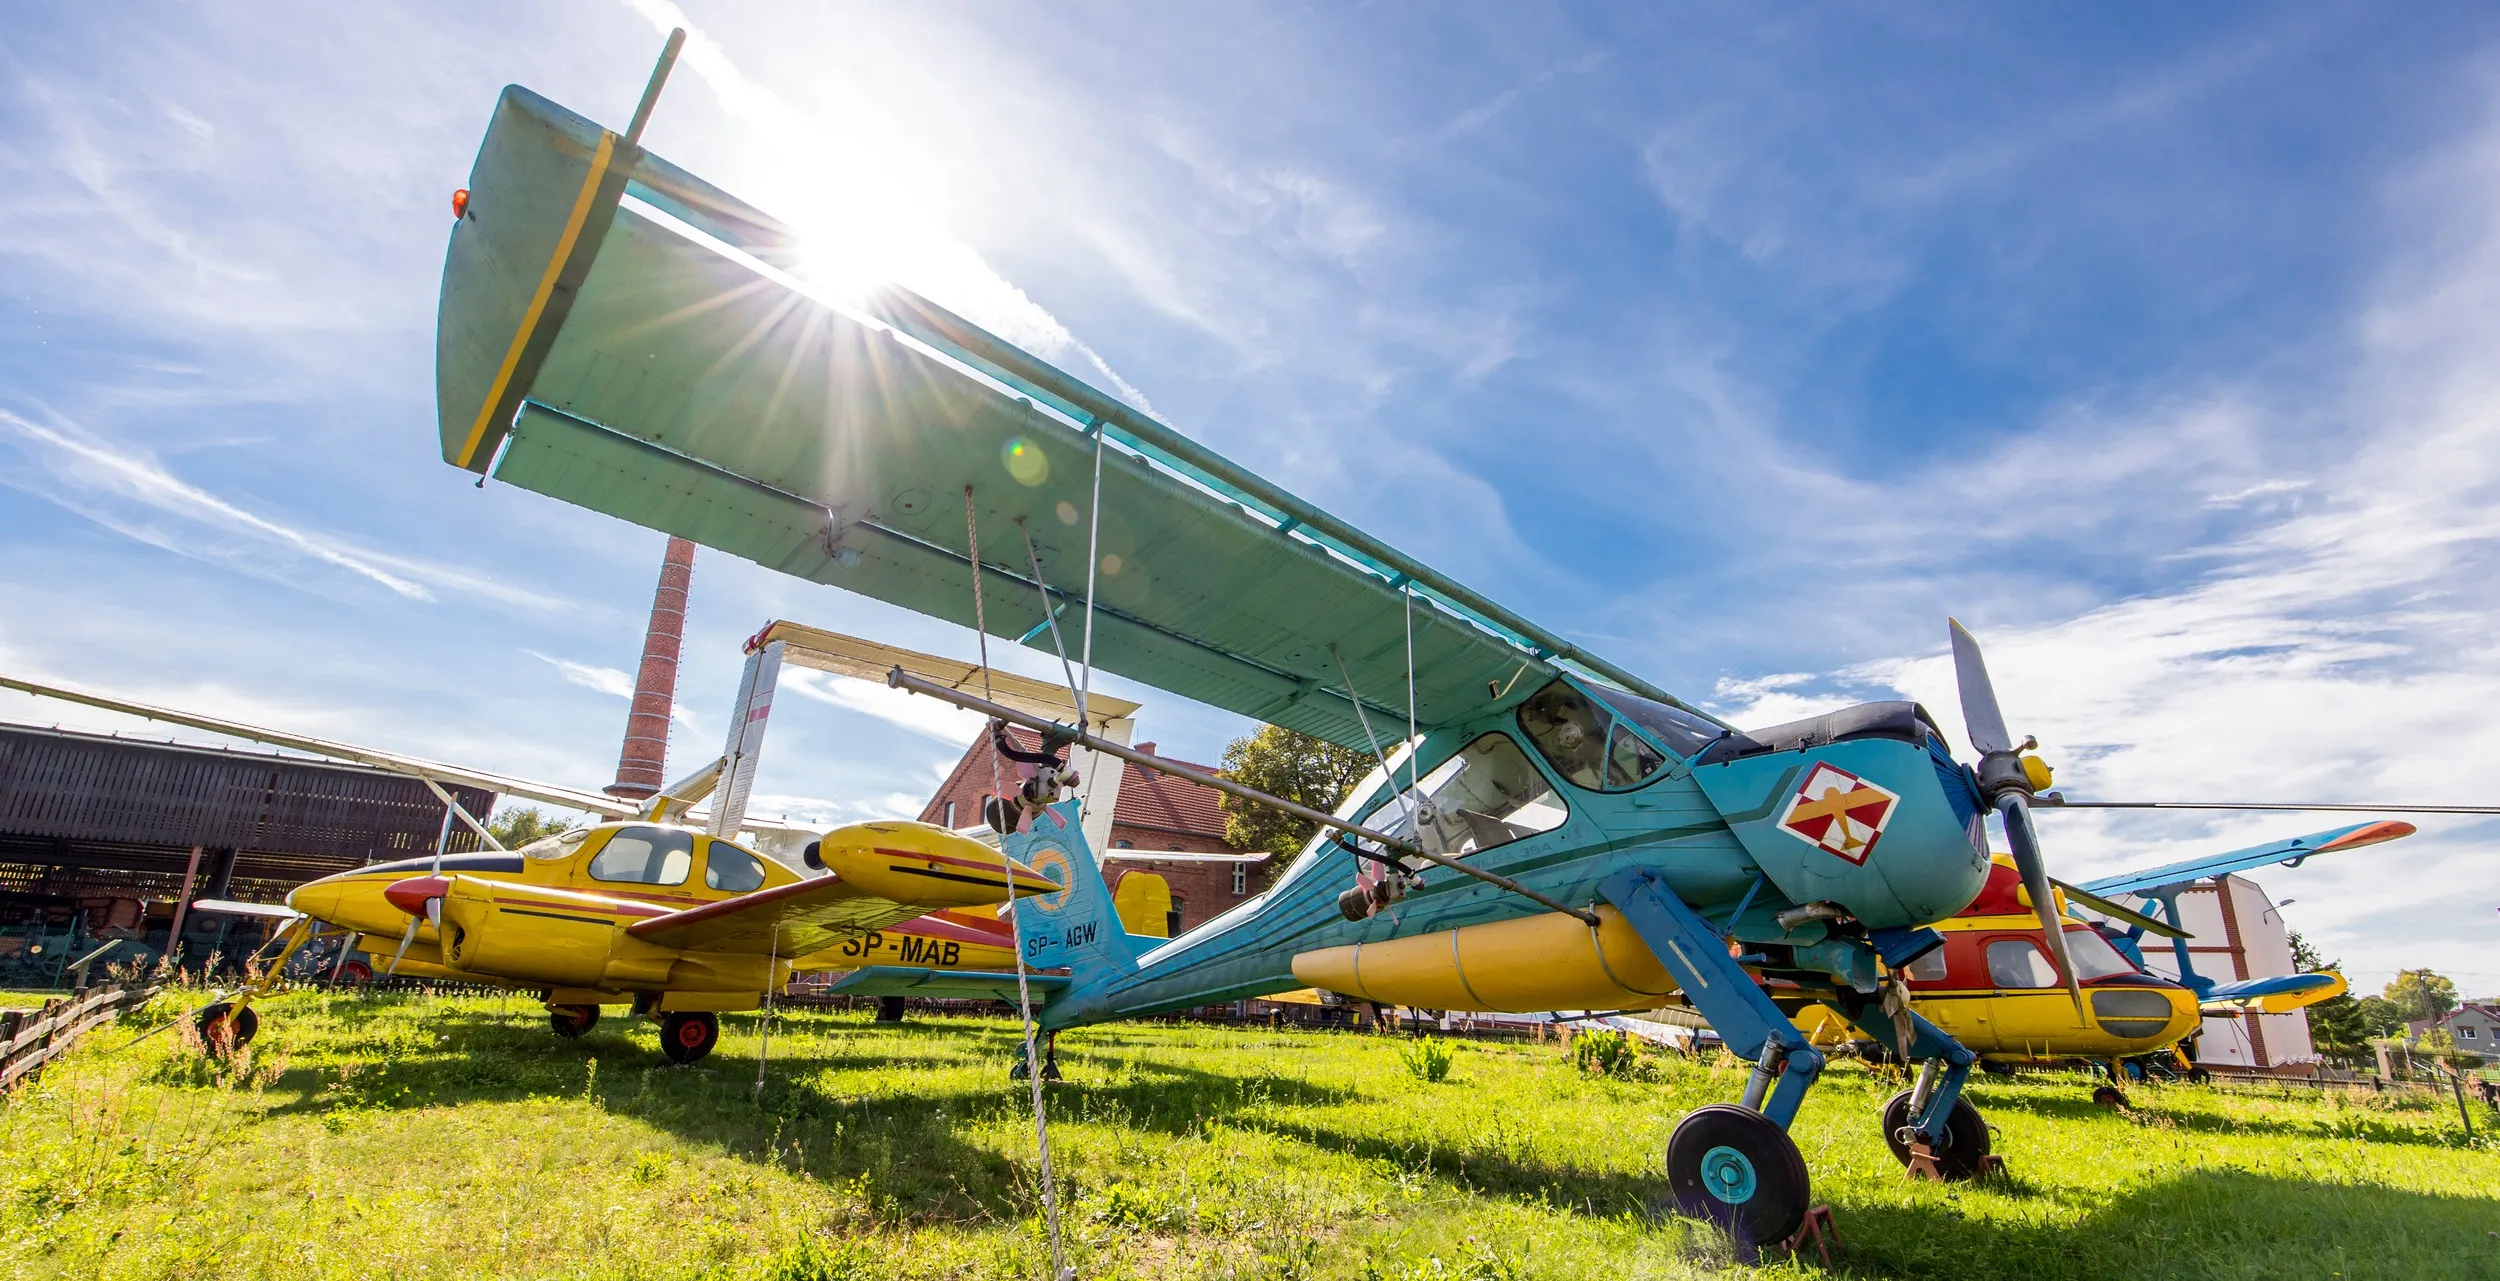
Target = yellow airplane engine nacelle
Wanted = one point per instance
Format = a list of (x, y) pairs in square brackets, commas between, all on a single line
[(1545, 962), (504, 930)]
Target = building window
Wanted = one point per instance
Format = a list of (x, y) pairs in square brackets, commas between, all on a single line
[(950, 813), (1124, 844), (1241, 879), (1172, 919), (2468, 1033)]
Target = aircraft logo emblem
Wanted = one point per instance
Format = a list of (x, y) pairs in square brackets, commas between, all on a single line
[(1840, 813), (1052, 862)]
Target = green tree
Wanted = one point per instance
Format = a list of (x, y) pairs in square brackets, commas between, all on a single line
[(2337, 1025), (1281, 762), (516, 828), (2380, 1016), (2422, 995)]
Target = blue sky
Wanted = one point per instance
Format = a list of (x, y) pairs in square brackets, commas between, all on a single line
[(1743, 345)]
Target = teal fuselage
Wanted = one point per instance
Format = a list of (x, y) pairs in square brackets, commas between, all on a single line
[(1715, 830)]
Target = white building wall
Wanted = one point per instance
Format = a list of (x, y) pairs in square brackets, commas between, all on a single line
[(2264, 950)]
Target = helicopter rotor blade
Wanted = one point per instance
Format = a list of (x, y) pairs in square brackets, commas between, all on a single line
[(2015, 810), (2121, 912), (1980, 713)]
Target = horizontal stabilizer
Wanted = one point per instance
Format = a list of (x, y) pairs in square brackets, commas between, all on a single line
[(2281, 994), (955, 985), (2288, 852)]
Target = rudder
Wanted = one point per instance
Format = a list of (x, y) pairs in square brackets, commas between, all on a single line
[(1079, 927)]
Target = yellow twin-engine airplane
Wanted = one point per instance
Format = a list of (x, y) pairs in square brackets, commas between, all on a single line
[(669, 920)]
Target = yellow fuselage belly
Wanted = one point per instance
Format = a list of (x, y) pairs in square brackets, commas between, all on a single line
[(2027, 1024)]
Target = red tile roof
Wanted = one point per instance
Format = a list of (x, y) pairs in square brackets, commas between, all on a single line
[(1149, 798)]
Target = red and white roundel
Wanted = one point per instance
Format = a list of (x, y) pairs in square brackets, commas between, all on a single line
[(1839, 812)]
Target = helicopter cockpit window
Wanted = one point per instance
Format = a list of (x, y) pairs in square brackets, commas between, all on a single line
[(2093, 956), (1586, 741), (1488, 794), (646, 856), (2019, 963), (560, 845), (733, 869)]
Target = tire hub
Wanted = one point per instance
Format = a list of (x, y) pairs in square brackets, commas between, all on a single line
[(1728, 1176)]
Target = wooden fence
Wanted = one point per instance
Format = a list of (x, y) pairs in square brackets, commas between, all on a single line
[(31, 1038)]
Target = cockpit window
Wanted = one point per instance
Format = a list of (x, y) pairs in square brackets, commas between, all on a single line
[(732, 869), (560, 845), (645, 855), (1684, 733), (2093, 956), (1488, 794), (1586, 740)]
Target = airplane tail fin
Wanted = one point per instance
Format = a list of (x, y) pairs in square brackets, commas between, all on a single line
[(1078, 927)]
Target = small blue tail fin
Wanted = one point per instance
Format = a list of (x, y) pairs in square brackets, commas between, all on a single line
[(1078, 927)]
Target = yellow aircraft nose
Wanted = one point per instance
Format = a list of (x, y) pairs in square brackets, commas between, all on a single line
[(922, 864), (318, 899)]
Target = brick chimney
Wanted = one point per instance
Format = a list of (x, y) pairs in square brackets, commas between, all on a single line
[(642, 770)]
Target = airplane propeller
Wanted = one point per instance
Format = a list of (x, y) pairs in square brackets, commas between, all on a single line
[(2006, 778)]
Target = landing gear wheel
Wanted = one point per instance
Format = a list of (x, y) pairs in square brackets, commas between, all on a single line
[(889, 1009), (2199, 1076), (224, 1028), (356, 972), (687, 1037), (2109, 1096), (571, 1021), (1738, 1169), (1962, 1151)]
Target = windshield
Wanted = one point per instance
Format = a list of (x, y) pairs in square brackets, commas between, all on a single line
[(2094, 957), (1684, 733), (1488, 794), (1585, 741), (560, 845)]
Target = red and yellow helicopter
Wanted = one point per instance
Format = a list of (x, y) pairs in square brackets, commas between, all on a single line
[(1995, 988)]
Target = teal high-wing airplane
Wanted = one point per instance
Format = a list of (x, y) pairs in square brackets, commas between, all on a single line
[(1558, 833)]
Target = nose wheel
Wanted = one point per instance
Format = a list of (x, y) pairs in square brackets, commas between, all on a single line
[(1740, 1170), (685, 1037), (570, 1021), (1960, 1154), (225, 1027)]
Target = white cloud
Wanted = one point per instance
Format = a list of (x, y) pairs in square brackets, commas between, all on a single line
[(944, 722)]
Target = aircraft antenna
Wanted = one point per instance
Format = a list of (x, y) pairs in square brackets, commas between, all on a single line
[(1015, 920)]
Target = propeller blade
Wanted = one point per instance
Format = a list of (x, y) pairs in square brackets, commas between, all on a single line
[(2058, 802), (2025, 846), (2076, 894), (1980, 714)]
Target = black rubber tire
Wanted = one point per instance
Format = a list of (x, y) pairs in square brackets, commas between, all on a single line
[(686, 1037), (2109, 1096), (570, 1021), (1737, 1169), (889, 1009), (356, 973), (1965, 1137), (2199, 1076), (223, 1029)]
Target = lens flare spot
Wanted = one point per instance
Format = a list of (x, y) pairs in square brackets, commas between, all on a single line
[(1111, 563), (1067, 512), (1025, 461)]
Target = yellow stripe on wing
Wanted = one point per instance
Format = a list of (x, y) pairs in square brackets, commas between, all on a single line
[(546, 289)]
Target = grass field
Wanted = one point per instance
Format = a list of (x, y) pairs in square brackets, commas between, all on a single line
[(405, 1136)]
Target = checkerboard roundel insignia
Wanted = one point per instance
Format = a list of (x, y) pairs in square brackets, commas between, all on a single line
[(1839, 813)]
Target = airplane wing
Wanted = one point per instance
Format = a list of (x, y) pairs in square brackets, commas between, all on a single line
[(545, 793), (273, 911), (2281, 994), (966, 985), (619, 334), (786, 920), (2289, 853)]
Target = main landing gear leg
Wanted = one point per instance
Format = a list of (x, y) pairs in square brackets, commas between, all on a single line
[(1932, 1130), (1732, 1164)]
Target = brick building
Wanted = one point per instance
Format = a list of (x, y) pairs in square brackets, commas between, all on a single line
[(1161, 824)]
